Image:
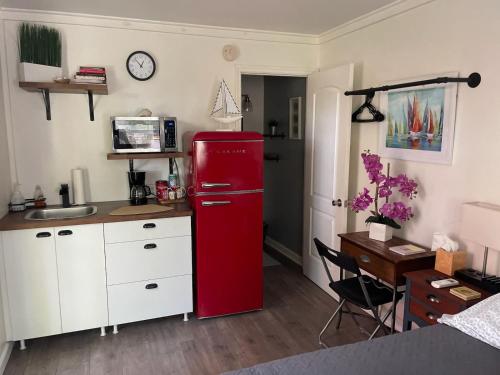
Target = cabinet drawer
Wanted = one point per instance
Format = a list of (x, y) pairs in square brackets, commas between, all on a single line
[(145, 260), (147, 229), (428, 296), (424, 312), (150, 299), (371, 263)]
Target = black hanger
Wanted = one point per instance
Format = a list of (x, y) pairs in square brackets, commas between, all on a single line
[(377, 116)]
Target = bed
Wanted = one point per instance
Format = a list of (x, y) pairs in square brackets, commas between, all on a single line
[(438, 349)]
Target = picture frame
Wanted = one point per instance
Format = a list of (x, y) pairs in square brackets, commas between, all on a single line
[(295, 118), (419, 122)]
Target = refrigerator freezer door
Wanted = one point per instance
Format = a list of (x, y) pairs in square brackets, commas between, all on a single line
[(228, 166), (228, 254)]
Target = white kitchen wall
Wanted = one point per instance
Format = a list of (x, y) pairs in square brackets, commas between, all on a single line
[(441, 36), (189, 68), (5, 186)]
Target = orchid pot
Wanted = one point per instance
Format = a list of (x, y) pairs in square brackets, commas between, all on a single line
[(382, 221), (380, 232)]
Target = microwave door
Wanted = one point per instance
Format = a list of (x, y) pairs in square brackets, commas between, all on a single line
[(136, 135)]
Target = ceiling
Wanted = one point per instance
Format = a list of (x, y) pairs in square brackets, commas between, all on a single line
[(295, 16)]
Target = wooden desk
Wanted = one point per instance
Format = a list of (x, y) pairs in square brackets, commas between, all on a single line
[(376, 258)]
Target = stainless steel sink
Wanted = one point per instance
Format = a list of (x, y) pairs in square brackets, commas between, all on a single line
[(61, 213)]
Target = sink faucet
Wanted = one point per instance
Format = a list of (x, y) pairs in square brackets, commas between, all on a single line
[(65, 195)]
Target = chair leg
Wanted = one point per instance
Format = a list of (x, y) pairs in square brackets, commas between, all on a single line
[(340, 317), (328, 323), (381, 325)]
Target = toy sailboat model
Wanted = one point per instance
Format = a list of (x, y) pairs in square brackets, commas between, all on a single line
[(225, 108)]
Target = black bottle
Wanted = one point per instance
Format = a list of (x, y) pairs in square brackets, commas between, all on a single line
[(65, 195)]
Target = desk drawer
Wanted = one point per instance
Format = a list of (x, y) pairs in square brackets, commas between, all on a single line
[(147, 229), (429, 297), (150, 299), (145, 260), (424, 312), (370, 262)]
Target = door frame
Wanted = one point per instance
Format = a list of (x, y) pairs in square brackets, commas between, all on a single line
[(265, 70), (278, 71)]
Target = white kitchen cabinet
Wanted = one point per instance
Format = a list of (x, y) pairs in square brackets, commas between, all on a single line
[(31, 283), (77, 277), (146, 260), (150, 299), (82, 276), (147, 229)]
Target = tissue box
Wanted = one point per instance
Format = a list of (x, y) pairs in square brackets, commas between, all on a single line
[(448, 262)]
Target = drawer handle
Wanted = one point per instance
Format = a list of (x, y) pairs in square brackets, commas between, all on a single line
[(149, 225), (65, 233), (433, 298), (43, 234), (150, 246), (152, 286), (431, 316), (364, 258)]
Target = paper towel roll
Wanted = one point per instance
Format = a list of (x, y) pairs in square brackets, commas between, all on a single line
[(78, 186)]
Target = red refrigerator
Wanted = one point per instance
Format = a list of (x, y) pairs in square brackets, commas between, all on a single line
[(224, 175)]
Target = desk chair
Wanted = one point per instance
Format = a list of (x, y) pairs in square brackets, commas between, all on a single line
[(360, 290)]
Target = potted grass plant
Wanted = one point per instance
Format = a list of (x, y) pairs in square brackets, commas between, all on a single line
[(39, 53), (383, 216)]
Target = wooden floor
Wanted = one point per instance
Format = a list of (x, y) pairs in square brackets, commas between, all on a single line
[(295, 311)]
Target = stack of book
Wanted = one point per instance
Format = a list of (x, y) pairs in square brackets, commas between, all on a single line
[(465, 293), (90, 74)]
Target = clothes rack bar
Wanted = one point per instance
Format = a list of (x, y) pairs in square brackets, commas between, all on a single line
[(472, 80)]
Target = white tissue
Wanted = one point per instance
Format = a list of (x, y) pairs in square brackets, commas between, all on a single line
[(440, 240)]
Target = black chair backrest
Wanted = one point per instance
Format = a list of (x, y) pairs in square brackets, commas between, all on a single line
[(342, 260)]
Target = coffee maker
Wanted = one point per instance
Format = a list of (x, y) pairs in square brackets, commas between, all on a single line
[(138, 190)]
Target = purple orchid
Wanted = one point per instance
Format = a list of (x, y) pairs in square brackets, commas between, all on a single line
[(362, 201), (373, 167), (385, 185), (396, 210)]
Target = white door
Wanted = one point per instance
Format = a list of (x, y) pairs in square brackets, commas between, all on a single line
[(31, 278), (82, 277), (328, 130)]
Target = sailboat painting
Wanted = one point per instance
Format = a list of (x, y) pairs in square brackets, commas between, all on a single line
[(420, 112), (225, 109), (419, 123)]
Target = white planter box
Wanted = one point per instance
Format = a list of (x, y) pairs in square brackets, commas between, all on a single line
[(29, 72), (380, 232)]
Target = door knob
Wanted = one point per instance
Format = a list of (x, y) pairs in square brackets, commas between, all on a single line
[(337, 202)]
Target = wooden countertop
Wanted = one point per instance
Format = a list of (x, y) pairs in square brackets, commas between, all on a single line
[(16, 220), (382, 248)]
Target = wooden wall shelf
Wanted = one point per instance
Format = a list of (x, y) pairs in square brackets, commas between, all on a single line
[(65, 88), (131, 156), (144, 155)]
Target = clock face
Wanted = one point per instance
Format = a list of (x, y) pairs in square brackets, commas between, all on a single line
[(141, 65)]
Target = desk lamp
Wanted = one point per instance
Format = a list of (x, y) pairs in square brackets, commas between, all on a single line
[(481, 224)]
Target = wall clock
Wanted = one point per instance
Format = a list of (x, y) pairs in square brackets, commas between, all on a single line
[(141, 65)]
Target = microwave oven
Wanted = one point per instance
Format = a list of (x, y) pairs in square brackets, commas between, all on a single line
[(144, 134)]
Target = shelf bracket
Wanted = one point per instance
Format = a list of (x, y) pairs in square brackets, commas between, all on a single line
[(91, 104), (46, 100), (131, 165)]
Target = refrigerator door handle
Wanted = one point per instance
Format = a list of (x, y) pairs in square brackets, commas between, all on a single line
[(215, 184), (214, 203)]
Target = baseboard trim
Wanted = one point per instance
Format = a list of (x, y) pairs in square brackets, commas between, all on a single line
[(283, 250), (5, 355)]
